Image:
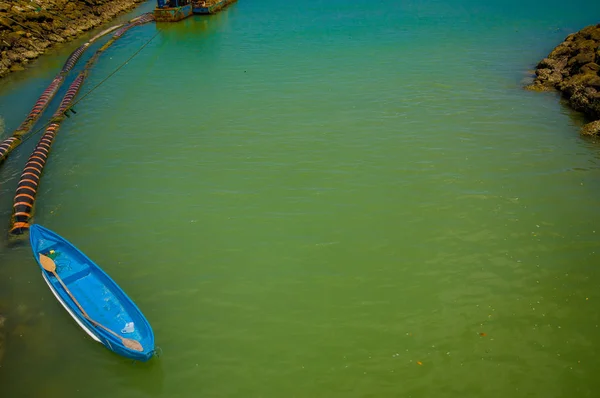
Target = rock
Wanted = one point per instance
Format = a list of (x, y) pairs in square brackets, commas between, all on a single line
[(591, 32), (538, 87), (30, 54), (563, 49), (573, 68), (586, 45), (553, 63), (46, 22), (14, 55), (591, 67), (55, 38), (592, 128), (549, 76), (7, 23), (582, 58)]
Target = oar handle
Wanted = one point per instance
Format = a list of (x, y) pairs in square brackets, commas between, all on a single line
[(105, 328), (71, 295), (129, 343), (49, 265)]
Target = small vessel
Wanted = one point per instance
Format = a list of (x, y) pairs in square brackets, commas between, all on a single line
[(209, 6), (98, 305)]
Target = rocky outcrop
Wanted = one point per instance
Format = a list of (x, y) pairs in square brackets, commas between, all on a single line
[(573, 68), (29, 27)]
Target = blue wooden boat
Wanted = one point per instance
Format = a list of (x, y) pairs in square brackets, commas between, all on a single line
[(100, 297)]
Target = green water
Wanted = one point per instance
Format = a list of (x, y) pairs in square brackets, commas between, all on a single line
[(319, 200)]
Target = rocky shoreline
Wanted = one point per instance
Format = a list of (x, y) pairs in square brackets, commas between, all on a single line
[(28, 28), (573, 68)]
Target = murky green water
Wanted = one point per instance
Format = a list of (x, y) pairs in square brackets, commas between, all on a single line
[(319, 200)]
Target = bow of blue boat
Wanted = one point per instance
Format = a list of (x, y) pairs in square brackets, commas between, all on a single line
[(101, 298)]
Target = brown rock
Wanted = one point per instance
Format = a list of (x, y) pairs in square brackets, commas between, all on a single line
[(69, 7), (586, 46), (543, 73), (590, 31), (537, 87), (549, 76), (581, 59), (30, 54), (43, 44), (591, 67), (55, 38), (7, 23), (549, 63), (592, 128), (14, 56), (561, 49), (581, 80), (58, 24), (27, 27)]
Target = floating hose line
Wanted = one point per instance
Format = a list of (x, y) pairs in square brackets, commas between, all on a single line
[(25, 195), (9, 144), (32, 173)]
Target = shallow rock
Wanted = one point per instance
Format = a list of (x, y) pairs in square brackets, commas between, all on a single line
[(573, 68), (592, 128), (537, 87), (30, 54)]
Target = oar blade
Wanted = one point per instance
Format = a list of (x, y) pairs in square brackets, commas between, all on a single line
[(47, 263), (132, 344)]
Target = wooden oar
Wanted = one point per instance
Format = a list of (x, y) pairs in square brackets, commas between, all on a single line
[(49, 265)]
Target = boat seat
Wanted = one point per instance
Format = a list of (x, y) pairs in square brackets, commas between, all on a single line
[(77, 275)]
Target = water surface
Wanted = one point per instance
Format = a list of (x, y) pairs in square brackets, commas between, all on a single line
[(316, 200)]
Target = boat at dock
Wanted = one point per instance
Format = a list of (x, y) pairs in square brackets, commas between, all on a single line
[(95, 301), (209, 6), (172, 10), (176, 10)]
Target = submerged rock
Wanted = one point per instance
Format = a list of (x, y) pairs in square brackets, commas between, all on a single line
[(573, 68)]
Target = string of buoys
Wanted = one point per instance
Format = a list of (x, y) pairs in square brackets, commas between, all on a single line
[(32, 173), (9, 144), (24, 200)]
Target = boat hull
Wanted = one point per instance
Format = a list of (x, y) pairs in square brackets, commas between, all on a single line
[(102, 299), (172, 14), (211, 9)]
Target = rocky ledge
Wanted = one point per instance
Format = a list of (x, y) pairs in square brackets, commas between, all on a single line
[(573, 68), (28, 28)]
